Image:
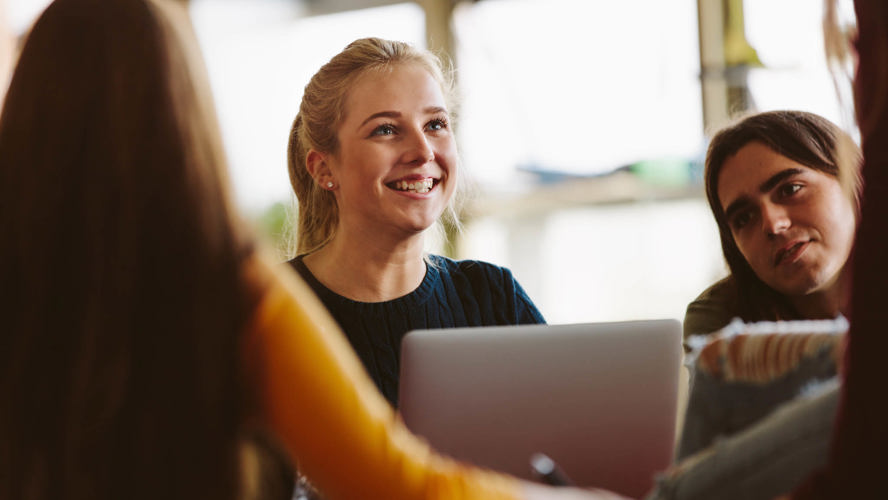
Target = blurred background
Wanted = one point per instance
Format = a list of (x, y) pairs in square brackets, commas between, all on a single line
[(582, 123)]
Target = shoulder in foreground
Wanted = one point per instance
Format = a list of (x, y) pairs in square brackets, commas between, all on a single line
[(712, 309), (722, 290)]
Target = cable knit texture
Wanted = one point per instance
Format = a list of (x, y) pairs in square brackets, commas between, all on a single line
[(452, 294)]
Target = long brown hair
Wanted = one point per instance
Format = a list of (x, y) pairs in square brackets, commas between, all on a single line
[(123, 301), (806, 138)]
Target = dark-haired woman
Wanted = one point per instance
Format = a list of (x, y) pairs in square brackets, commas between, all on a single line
[(783, 187)]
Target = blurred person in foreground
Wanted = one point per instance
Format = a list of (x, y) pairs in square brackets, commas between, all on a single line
[(857, 458)]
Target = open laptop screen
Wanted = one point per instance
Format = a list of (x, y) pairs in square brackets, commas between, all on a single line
[(599, 398)]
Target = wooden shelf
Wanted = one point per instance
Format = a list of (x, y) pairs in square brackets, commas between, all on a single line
[(617, 188)]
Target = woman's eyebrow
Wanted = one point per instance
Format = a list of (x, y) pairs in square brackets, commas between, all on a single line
[(381, 114), (433, 110), (765, 187), (778, 178)]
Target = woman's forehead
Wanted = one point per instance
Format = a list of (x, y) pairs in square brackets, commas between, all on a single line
[(753, 168), (400, 86)]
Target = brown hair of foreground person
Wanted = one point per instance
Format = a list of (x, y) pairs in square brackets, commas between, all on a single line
[(120, 265), (857, 455)]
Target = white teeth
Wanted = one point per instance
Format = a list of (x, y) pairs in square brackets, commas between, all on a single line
[(423, 186)]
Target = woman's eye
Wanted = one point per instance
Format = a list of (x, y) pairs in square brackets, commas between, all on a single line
[(437, 124), (385, 129), (790, 189)]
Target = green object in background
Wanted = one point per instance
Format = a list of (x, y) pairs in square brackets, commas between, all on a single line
[(663, 171), (273, 225)]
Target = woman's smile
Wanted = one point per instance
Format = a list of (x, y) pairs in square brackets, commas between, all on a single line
[(419, 186)]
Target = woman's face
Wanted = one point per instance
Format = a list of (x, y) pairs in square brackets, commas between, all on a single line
[(793, 224), (396, 165)]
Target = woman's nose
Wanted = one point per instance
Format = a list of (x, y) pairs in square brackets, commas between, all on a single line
[(775, 219), (419, 150)]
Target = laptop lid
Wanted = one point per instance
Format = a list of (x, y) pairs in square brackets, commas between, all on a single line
[(600, 399)]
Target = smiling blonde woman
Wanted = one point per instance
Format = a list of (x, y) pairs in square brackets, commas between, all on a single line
[(374, 164)]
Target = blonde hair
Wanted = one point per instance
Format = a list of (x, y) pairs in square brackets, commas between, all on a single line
[(320, 116)]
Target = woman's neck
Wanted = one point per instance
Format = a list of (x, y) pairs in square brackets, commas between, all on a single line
[(368, 271), (827, 303)]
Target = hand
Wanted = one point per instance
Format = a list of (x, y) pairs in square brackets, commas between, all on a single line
[(534, 491)]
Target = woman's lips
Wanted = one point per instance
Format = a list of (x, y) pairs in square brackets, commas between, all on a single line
[(790, 253), (419, 186)]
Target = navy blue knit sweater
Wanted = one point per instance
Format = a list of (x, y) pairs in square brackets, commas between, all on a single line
[(452, 294)]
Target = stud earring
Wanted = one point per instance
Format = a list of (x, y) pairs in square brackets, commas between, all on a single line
[(329, 185)]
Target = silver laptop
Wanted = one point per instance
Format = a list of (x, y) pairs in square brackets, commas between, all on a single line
[(600, 399)]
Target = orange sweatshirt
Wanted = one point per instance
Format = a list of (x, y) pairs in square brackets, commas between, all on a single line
[(316, 397)]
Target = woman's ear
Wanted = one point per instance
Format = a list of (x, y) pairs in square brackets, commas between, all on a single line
[(318, 167)]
